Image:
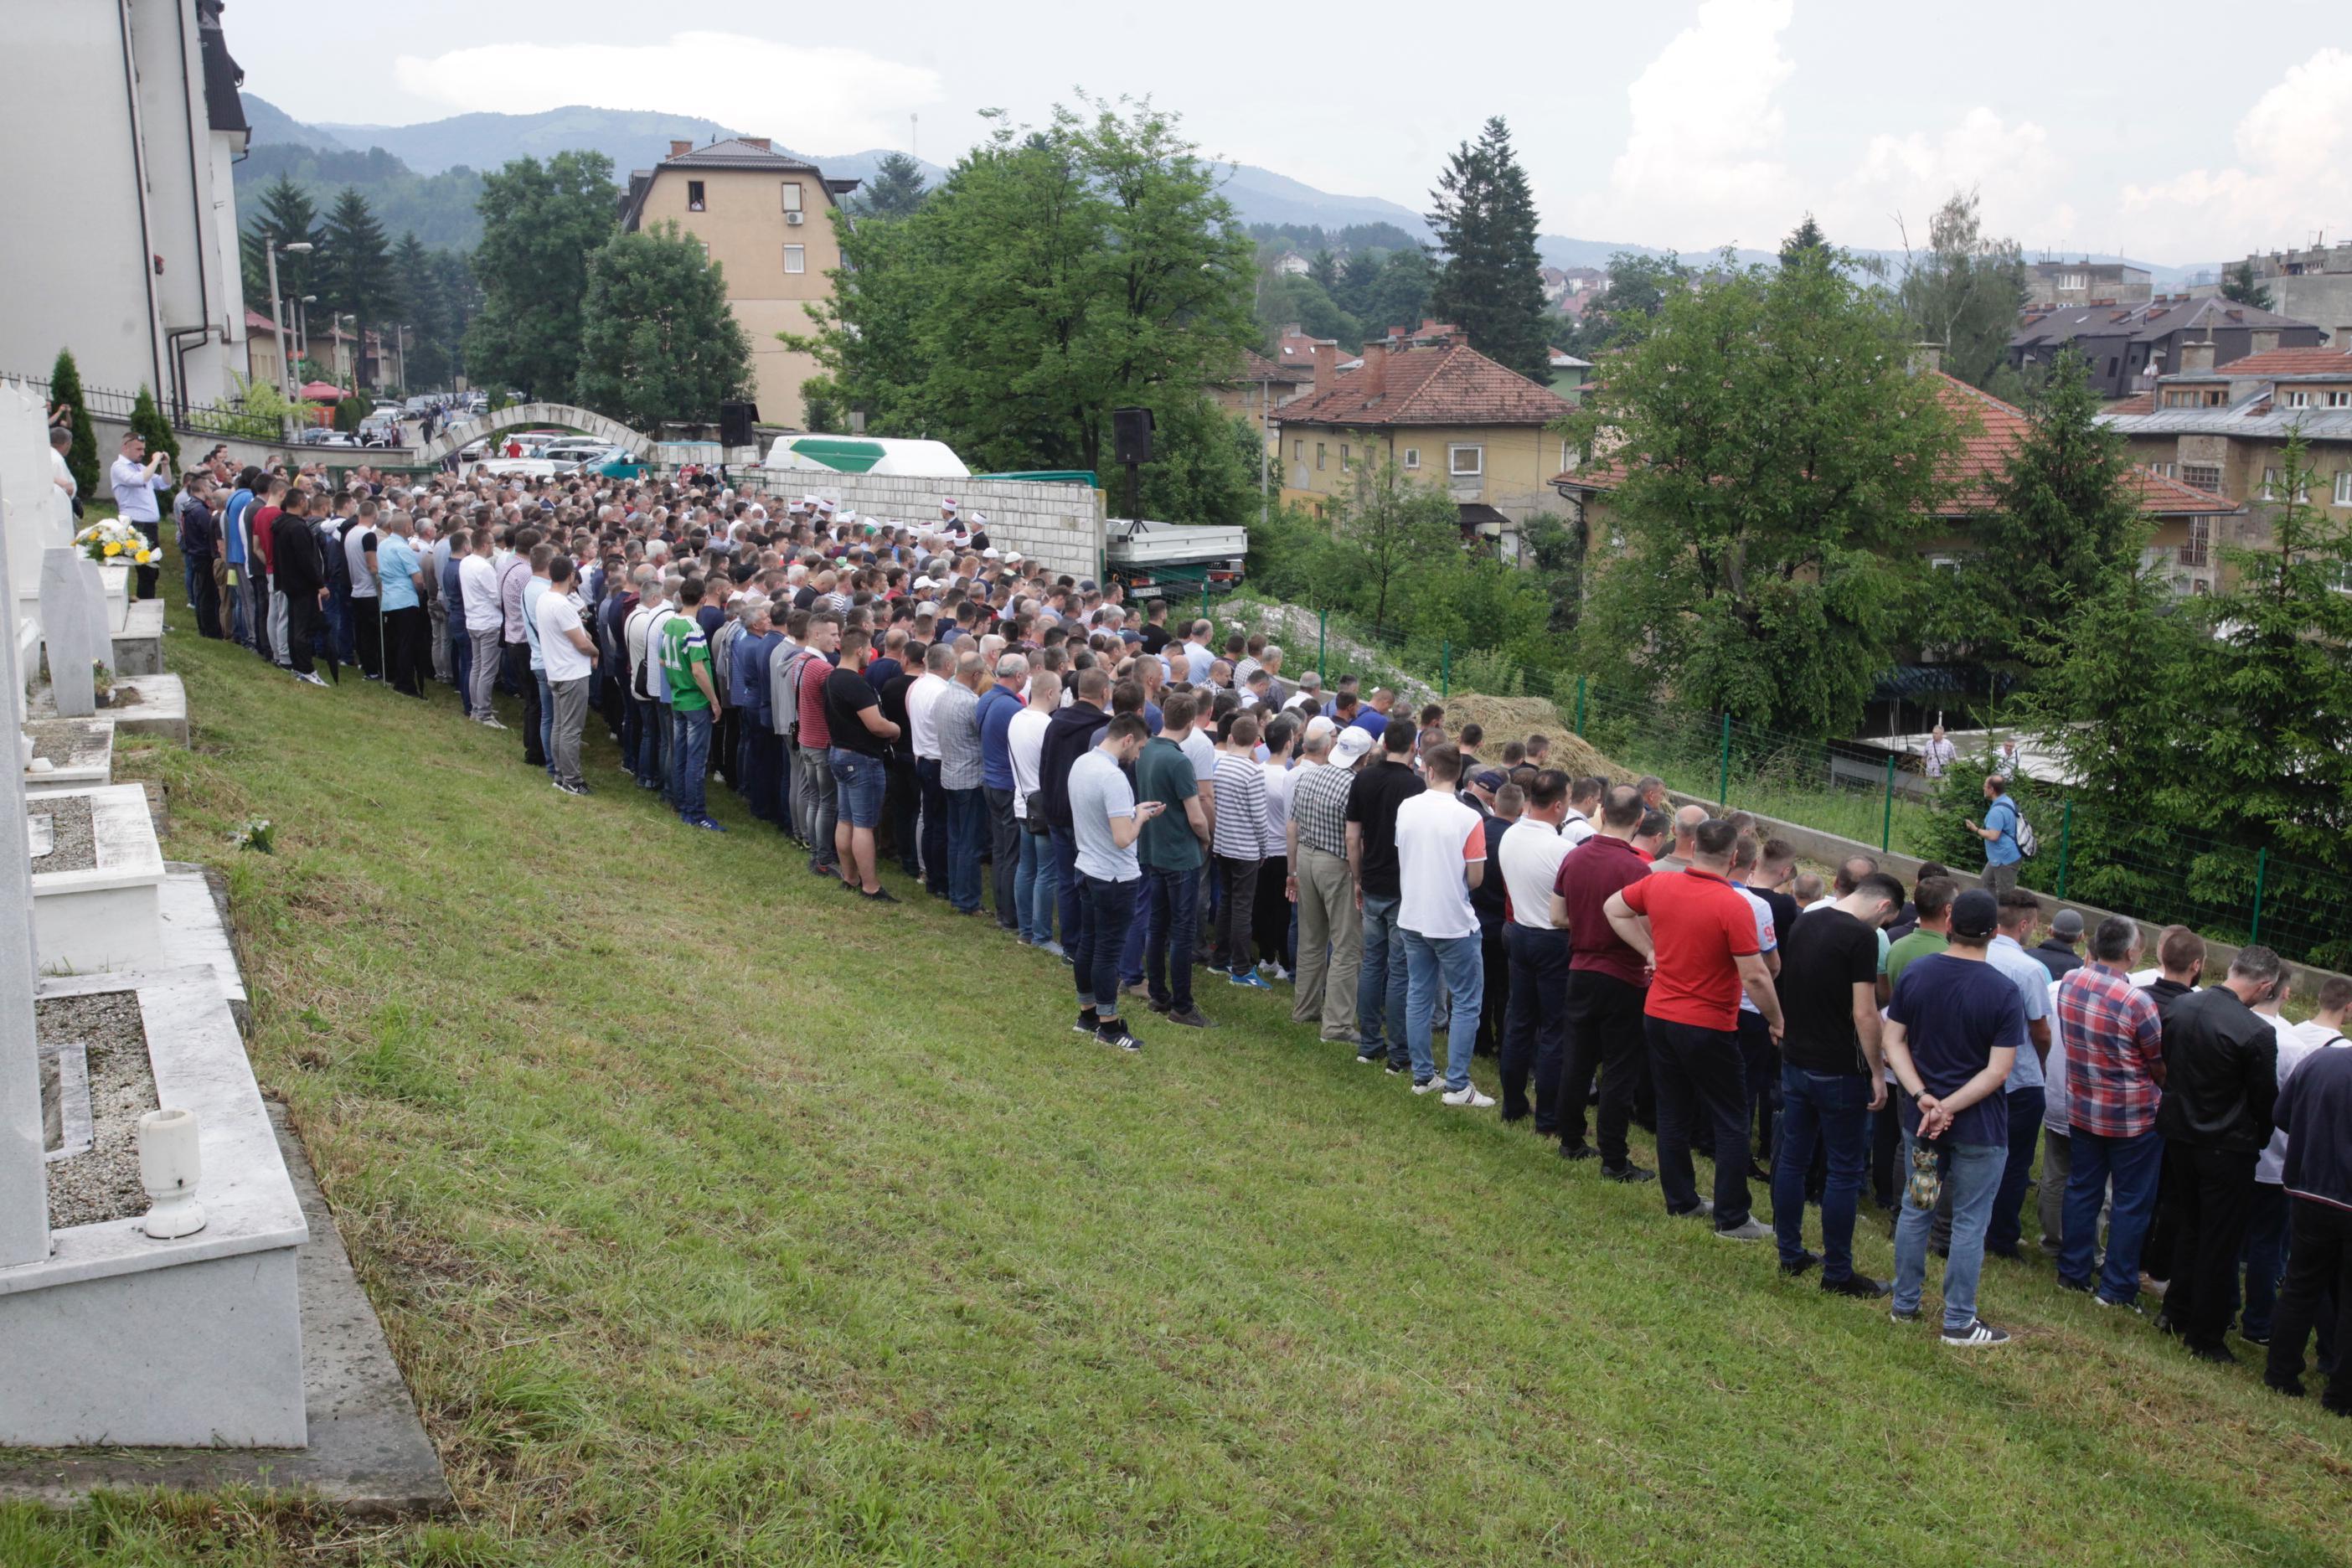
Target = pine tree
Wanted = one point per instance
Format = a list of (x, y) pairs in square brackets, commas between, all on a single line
[(1491, 287), (355, 264), (894, 190), (1806, 240), (81, 458), (286, 216), (2238, 286), (147, 420), (1323, 268)]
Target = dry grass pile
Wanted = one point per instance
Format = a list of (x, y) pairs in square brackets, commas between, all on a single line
[(1506, 719)]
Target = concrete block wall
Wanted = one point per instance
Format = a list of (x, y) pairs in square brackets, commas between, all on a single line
[(1061, 525)]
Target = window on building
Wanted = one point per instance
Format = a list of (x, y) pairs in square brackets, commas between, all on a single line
[(1412, 457), (2270, 484), (1943, 563), (796, 259), (2296, 397), (1343, 456), (1297, 451), (2169, 471), (2336, 400), (791, 195), (2344, 487), (2204, 476), (1318, 456), (694, 195), (2073, 281), (1465, 462), (2198, 548), (2112, 365)]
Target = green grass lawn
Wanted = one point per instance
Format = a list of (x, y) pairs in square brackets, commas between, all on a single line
[(716, 1219)]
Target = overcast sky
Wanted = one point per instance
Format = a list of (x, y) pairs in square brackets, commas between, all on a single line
[(2177, 134)]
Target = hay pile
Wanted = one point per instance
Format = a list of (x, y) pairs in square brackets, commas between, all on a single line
[(1506, 719)]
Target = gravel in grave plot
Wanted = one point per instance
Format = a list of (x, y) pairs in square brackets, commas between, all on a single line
[(61, 741), (103, 1183), (77, 845)]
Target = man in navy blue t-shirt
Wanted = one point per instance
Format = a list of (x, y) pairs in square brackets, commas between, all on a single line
[(1952, 1033)]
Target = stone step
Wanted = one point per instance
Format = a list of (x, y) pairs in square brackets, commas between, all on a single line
[(139, 646), (80, 752), (106, 914), (143, 705), (193, 908)]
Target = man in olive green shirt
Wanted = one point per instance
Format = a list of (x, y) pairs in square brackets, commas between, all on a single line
[(1171, 850), (1933, 898)]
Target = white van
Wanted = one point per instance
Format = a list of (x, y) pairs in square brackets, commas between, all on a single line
[(865, 454)]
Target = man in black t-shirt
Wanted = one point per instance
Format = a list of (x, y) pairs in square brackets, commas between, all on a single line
[(861, 740), (1830, 1076), (1155, 627), (903, 799), (1372, 802)]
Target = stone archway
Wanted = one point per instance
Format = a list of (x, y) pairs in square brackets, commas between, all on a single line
[(523, 415)]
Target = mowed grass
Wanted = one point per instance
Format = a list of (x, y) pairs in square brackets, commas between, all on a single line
[(717, 1219)]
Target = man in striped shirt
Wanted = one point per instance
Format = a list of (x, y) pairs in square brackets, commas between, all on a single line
[(1330, 926), (2115, 1080), (1237, 842)]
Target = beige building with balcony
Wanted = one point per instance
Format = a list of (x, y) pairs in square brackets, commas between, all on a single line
[(766, 218)]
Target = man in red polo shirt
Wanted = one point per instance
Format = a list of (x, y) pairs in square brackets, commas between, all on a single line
[(1604, 987), (1699, 934)]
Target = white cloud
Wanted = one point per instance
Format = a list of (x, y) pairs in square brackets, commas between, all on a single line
[(1911, 176), (1702, 160), (812, 98), (2293, 173)]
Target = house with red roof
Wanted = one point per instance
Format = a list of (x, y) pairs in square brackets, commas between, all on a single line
[(1258, 387), (2222, 429), (1446, 414), (2190, 520)]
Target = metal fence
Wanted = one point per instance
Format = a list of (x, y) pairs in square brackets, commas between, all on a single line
[(2231, 892)]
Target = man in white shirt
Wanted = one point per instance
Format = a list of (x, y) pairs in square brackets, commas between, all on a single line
[(1441, 846), (1034, 878), (568, 653), (66, 489), (1197, 656), (477, 582), (923, 738), (1583, 804), (134, 479), (1535, 1020)]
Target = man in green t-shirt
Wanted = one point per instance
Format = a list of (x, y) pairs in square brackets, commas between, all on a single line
[(685, 660), (1933, 900), (1171, 851)]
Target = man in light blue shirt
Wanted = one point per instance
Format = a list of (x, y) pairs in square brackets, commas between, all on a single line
[(2000, 834), (134, 479), (2026, 1086), (398, 564)]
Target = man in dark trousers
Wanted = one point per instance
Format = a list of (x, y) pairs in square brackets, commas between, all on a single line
[(2314, 1112), (299, 571), (1605, 982), (1070, 733), (2220, 1079)]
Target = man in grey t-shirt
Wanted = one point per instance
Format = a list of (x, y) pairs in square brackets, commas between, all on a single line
[(1105, 821)]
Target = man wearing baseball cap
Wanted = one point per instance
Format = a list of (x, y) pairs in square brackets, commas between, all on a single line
[(1952, 1034)]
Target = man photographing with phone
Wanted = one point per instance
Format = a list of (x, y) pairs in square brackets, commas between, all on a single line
[(1106, 821), (134, 479)]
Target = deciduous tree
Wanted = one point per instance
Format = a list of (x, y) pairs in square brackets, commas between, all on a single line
[(1964, 291), (659, 341), (540, 223)]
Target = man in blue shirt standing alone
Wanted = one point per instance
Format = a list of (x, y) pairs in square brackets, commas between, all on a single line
[(2000, 834)]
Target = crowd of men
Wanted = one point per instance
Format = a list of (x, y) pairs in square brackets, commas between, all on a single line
[(1158, 806)]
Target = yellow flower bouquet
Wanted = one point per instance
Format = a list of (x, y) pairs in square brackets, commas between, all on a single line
[(102, 542)]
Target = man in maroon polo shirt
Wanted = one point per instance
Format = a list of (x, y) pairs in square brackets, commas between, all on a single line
[(1605, 978), (1699, 934)]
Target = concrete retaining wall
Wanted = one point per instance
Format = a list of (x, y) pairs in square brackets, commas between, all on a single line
[(1061, 525)]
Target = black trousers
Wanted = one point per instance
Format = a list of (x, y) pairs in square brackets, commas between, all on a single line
[(368, 635), (514, 660), (208, 604), (1535, 1032), (144, 577), (1701, 1080), (1004, 852), (934, 797), (1605, 1041), (1494, 975), (2318, 1267), (1270, 920), (902, 798), (1237, 902), (407, 653), (2213, 1199), (304, 622)]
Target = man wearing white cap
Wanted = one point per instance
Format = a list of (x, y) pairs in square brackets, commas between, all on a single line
[(1330, 927)]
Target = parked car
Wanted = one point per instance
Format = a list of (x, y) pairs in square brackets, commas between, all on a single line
[(322, 435)]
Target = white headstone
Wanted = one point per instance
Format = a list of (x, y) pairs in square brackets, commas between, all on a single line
[(23, 1177), (31, 518), (74, 629)]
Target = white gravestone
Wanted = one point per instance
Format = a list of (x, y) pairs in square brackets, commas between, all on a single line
[(24, 1180), (74, 628), (33, 516)]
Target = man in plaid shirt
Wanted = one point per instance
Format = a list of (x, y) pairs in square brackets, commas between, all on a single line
[(2115, 1079)]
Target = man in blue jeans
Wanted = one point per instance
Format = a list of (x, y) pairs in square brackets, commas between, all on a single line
[(2025, 1091), (1952, 1034), (1379, 790), (1832, 1076), (1105, 820), (1440, 845), (2114, 1078), (1070, 733), (1172, 850)]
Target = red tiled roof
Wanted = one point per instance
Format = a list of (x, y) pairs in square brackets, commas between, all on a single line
[(2137, 403), (1992, 432), (2291, 361), (1454, 385), (1257, 367)]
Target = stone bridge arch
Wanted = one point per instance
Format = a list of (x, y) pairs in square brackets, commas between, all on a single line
[(523, 416)]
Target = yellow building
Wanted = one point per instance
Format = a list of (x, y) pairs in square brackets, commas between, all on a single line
[(1447, 415), (766, 218)]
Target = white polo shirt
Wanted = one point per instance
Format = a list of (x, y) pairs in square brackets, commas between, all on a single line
[(1436, 836), (1529, 858), (921, 731)]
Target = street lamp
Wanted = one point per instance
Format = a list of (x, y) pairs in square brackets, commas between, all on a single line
[(278, 314), (352, 317), (302, 324)]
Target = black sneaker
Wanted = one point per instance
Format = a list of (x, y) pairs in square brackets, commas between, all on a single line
[(1157, 1006), (878, 896), (1805, 1264), (1114, 1033), (1089, 1022), (2219, 1355), (1191, 1018), (1578, 1152), (1977, 1335), (1862, 1287), (2281, 1386), (1629, 1172)]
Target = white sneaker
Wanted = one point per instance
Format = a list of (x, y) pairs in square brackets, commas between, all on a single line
[(1434, 1086), (309, 679), (1468, 1095)]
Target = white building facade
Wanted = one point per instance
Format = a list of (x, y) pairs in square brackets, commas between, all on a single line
[(121, 122)]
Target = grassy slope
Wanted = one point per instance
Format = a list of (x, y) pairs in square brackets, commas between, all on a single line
[(716, 1220)]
